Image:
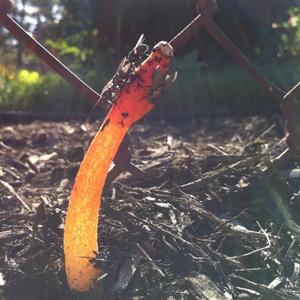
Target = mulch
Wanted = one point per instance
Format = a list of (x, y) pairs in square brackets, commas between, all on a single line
[(212, 218)]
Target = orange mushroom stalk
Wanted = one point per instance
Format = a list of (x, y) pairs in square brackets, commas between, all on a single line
[(81, 234)]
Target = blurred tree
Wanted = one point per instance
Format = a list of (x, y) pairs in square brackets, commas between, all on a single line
[(36, 17), (121, 22), (92, 35), (289, 31), (249, 23), (85, 26)]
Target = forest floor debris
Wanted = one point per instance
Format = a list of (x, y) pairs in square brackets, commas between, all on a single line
[(212, 218)]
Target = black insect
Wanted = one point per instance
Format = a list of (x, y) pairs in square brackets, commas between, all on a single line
[(124, 74)]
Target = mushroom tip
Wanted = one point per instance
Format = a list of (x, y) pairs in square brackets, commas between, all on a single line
[(165, 49)]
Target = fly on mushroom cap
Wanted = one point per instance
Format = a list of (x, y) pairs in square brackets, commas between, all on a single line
[(165, 49)]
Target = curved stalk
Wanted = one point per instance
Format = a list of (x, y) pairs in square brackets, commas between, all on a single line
[(81, 234)]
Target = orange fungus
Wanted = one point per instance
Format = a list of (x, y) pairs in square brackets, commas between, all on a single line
[(80, 235)]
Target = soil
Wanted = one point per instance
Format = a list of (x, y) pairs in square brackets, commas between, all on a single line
[(214, 216)]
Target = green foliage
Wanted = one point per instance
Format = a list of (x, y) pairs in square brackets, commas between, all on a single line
[(290, 32), (70, 47), (198, 90), (31, 91), (91, 35), (62, 47), (28, 77)]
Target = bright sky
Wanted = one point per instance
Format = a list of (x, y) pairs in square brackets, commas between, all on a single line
[(30, 11)]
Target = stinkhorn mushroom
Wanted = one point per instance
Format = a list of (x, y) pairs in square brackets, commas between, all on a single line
[(80, 233)]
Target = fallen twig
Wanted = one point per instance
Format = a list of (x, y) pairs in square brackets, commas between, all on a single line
[(212, 175), (256, 250), (263, 289), (13, 192)]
